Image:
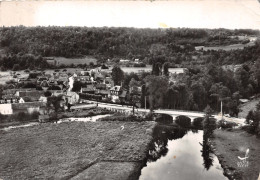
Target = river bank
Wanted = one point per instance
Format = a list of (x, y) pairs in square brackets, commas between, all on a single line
[(77, 150), (230, 146)]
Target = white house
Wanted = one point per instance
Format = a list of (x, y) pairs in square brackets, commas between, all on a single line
[(6, 109), (72, 97)]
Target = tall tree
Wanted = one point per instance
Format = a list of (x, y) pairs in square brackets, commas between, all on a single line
[(166, 69), (156, 87), (117, 75)]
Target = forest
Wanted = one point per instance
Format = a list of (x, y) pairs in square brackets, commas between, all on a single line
[(198, 87), (18, 45)]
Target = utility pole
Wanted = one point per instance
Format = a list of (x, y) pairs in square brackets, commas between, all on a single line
[(221, 110), (145, 102)]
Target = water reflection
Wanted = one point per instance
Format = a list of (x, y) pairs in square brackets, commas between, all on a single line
[(207, 152), (181, 154), (162, 134)]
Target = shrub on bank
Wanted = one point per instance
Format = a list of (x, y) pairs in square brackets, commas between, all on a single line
[(197, 122), (123, 117), (183, 121), (226, 124), (164, 118)]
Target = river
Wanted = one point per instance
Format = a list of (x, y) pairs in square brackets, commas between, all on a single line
[(182, 155)]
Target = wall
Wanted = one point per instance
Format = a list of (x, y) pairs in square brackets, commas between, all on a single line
[(6, 109)]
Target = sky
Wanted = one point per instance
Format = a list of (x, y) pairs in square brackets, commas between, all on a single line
[(230, 14)]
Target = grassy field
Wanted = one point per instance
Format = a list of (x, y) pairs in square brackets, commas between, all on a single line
[(74, 150), (231, 144), (68, 61)]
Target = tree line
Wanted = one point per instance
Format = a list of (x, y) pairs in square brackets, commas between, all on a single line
[(197, 87), (172, 45)]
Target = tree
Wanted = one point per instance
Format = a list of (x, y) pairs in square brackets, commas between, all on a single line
[(47, 93), (54, 102), (156, 69), (16, 67), (156, 87), (166, 69), (77, 85), (117, 75), (256, 72)]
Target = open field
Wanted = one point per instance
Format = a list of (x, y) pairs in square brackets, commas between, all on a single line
[(225, 48), (74, 150), (231, 144), (148, 68), (68, 61)]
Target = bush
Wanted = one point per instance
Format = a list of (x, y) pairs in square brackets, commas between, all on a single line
[(253, 119), (22, 116), (123, 117), (164, 118), (226, 124), (35, 115), (183, 121), (197, 122)]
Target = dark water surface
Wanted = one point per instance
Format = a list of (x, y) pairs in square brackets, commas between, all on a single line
[(183, 155)]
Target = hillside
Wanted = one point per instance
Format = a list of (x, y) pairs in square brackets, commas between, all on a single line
[(176, 46)]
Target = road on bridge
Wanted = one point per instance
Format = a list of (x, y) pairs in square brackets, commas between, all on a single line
[(174, 113)]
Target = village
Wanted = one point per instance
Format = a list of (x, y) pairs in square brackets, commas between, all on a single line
[(89, 84)]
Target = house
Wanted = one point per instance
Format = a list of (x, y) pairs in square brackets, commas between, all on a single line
[(41, 79), (71, 97), (104, 93), (101, 86), (85, 73), (45, 85), (6, 99), (124, 61), (109, 82), (31, 96), (43, 99), (115, 92), (56, 92), (52, 82), (6, 109), (90, 89)]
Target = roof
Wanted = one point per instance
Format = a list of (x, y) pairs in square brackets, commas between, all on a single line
[(243, 100), (104, 92), (9, 91), (89, 87), (34, 95), (44, 83), (101, 86), (42, 78), (116, 88), (9, 96)]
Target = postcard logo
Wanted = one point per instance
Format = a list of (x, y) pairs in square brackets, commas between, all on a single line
[(243, 160)]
